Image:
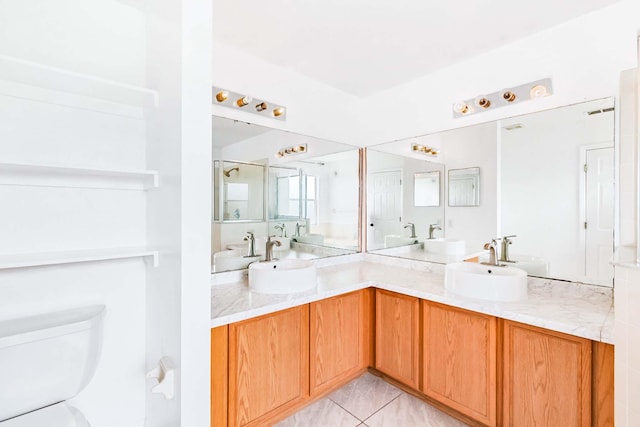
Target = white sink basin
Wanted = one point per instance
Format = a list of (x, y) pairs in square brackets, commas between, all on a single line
[(285, 276), (445, 246), (393, 240), (232, 260), (486, 282), (311, 238)]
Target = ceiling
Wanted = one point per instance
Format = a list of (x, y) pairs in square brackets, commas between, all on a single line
[(365, 46)]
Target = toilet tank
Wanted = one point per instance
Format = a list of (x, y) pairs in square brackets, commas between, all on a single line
[(47, 358)]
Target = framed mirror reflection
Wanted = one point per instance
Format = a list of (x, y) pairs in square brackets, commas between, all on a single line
[(307, 200)]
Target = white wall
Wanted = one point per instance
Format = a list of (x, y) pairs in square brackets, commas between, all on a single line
[(179, 212), (584, 58), (475, 146), (313, 108), (41, 125)]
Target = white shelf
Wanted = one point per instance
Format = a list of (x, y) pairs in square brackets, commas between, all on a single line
[(74, 177), (53, 78), (70, 257)]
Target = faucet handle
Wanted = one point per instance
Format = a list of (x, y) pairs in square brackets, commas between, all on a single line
[(249, 236), (507, 239)]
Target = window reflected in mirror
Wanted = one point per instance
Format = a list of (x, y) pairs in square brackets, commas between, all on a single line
[(426, 188)]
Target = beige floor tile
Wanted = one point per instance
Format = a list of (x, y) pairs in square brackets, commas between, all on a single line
[(323, 413), (408, 411), (365, 395)]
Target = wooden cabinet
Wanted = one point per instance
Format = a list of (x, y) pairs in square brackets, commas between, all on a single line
[(547, 378), (268, 366), (398, 337), (339, 340), (219, 375), (460, 360)]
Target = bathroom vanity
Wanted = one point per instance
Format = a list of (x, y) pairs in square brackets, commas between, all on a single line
[(546, 360)]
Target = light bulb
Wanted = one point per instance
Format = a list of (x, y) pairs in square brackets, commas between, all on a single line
[(483, 102), (461, 108), (538, 91), (277, 112), (262, 106), (222, 96), (245, 100), (508, 96)]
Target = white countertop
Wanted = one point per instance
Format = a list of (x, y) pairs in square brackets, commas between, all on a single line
[(577, 309)]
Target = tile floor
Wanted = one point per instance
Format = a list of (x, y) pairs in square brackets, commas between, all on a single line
[(369, 401)]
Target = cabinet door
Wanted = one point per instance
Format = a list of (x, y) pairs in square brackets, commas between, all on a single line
[(397, 336), (547, 378), (268, 366), (459, 353), (338, 340), (219, 375)]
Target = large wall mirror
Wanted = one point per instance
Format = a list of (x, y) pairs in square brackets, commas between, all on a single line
[(546, 178), (307, 198)]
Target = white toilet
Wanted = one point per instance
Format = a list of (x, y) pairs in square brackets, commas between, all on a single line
[(45, 360)]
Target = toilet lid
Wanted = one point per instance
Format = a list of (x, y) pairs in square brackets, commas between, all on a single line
[(58, 415)]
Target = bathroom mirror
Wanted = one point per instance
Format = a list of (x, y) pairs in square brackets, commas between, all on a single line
[(426, 189), (308, 198), (544, 177), (464, 187)]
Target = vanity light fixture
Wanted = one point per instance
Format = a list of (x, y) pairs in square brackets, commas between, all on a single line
[(533, 90), (248, 104), (423, 149), (294, 149)]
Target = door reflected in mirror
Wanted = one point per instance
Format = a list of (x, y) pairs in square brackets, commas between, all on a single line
[(464, 187), (426, 189)]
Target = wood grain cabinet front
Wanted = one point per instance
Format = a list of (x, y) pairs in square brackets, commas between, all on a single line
[(398, 337), (460, 360), (547, 378), (268, 366), (339, 340)]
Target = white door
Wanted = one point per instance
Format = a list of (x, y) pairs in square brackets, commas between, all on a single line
[(599, 210), (385, 196)]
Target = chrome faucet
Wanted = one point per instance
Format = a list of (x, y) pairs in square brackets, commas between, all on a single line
[(492, 253), (268, 251), (282, 228), (432, 228), (413, 229), (504, 250), (298, 227), (252, 244)]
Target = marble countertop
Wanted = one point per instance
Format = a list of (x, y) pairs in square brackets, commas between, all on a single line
[(577, 309)]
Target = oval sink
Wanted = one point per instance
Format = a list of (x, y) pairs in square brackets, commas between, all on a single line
[(285, 276), (486, 282), (232, 260), (445, 246), (393, 240), (311, 238)]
